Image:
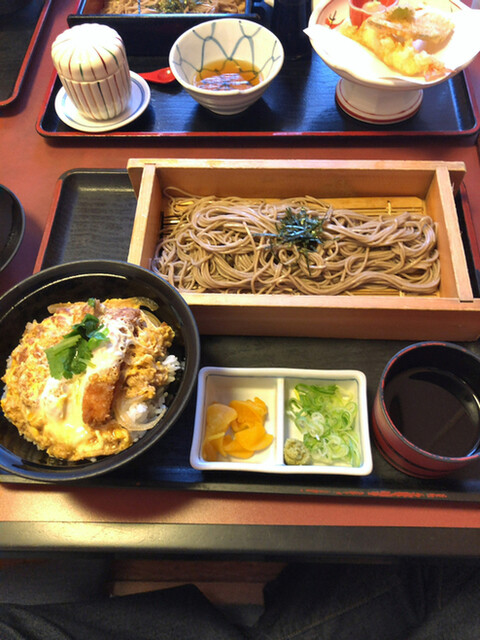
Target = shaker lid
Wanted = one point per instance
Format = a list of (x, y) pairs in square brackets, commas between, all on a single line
[(88, 52)]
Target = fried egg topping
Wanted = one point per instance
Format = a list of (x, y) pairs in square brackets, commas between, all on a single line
[(113, 402)]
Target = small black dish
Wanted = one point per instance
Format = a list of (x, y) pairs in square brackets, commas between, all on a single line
[(77, 281), (12, 225), (11, 6)]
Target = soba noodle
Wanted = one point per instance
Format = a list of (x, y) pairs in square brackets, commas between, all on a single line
[(219, 245), (167, 6)]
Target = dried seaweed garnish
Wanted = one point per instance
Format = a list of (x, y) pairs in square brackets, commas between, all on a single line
[(298, 229)]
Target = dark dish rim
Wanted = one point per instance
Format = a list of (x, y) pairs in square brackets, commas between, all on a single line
[(17, 230)]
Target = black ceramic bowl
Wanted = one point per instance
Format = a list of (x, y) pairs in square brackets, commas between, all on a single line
[(12, 225), (77, 281)]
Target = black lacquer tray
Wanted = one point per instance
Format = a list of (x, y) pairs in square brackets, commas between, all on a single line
[(19, 32), (299, 104), (92, 217)]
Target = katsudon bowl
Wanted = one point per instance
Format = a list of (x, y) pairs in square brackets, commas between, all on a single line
[(79, 281)]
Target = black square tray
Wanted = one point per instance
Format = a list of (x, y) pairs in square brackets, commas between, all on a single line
[(19, 32), (90, 202)]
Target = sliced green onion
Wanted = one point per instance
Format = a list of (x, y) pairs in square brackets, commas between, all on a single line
[(325, 416)]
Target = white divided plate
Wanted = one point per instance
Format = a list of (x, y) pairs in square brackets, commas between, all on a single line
[(275, 387), (69, 114)]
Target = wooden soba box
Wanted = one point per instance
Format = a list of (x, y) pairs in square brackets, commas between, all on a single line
[(453, 313)]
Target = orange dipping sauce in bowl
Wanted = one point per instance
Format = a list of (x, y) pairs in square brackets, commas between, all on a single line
[(360, 10), (227, 75)]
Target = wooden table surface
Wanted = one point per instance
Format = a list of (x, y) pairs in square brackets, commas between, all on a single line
[(176, 521)]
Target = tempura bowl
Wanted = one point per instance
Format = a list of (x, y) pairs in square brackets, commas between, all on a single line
[(226, 39), (426, 413), (78, 281), (370, 91)]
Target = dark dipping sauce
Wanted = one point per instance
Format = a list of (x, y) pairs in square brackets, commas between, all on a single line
[(227, 75), (435, 410)]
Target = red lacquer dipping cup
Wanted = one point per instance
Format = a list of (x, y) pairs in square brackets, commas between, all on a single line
[(426, 413), (360, 10)]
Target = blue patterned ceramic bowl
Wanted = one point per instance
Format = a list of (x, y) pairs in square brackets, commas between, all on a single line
[(230, 39)]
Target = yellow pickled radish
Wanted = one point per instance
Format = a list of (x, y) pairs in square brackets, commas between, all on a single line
[(236, 430), (219, 416)]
